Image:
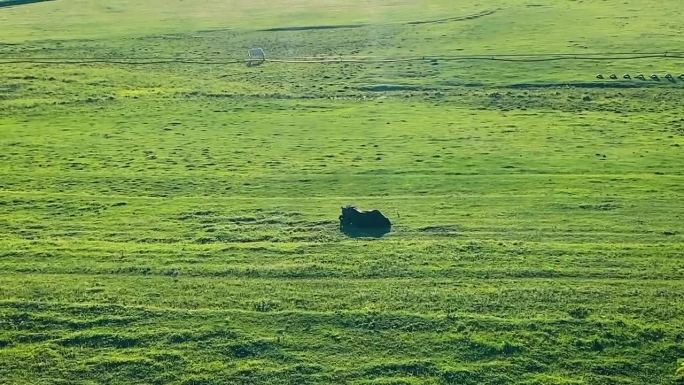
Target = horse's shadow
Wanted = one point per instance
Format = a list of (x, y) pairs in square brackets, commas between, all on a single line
[(364, 232)]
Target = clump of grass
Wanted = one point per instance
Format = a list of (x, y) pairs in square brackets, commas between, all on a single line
[(266, 306), (579, 312)]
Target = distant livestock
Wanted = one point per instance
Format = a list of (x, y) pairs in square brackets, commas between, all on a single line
[(654, 77), (355, 222), (351, 216)]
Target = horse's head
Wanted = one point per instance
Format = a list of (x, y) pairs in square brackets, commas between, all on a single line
[(349, 210)]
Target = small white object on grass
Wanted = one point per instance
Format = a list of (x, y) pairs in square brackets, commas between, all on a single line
[(256, 57)]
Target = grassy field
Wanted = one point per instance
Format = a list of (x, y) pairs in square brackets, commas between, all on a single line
[(169, 216)]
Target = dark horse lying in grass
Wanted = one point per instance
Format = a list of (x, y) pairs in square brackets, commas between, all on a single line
[(356, 223)]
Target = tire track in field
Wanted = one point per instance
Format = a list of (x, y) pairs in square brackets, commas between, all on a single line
[(515, 58)]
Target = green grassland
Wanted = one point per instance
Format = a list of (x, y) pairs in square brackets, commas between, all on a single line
[(169, 216)]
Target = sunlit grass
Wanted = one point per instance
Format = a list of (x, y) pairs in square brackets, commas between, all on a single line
[(177, 223)]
